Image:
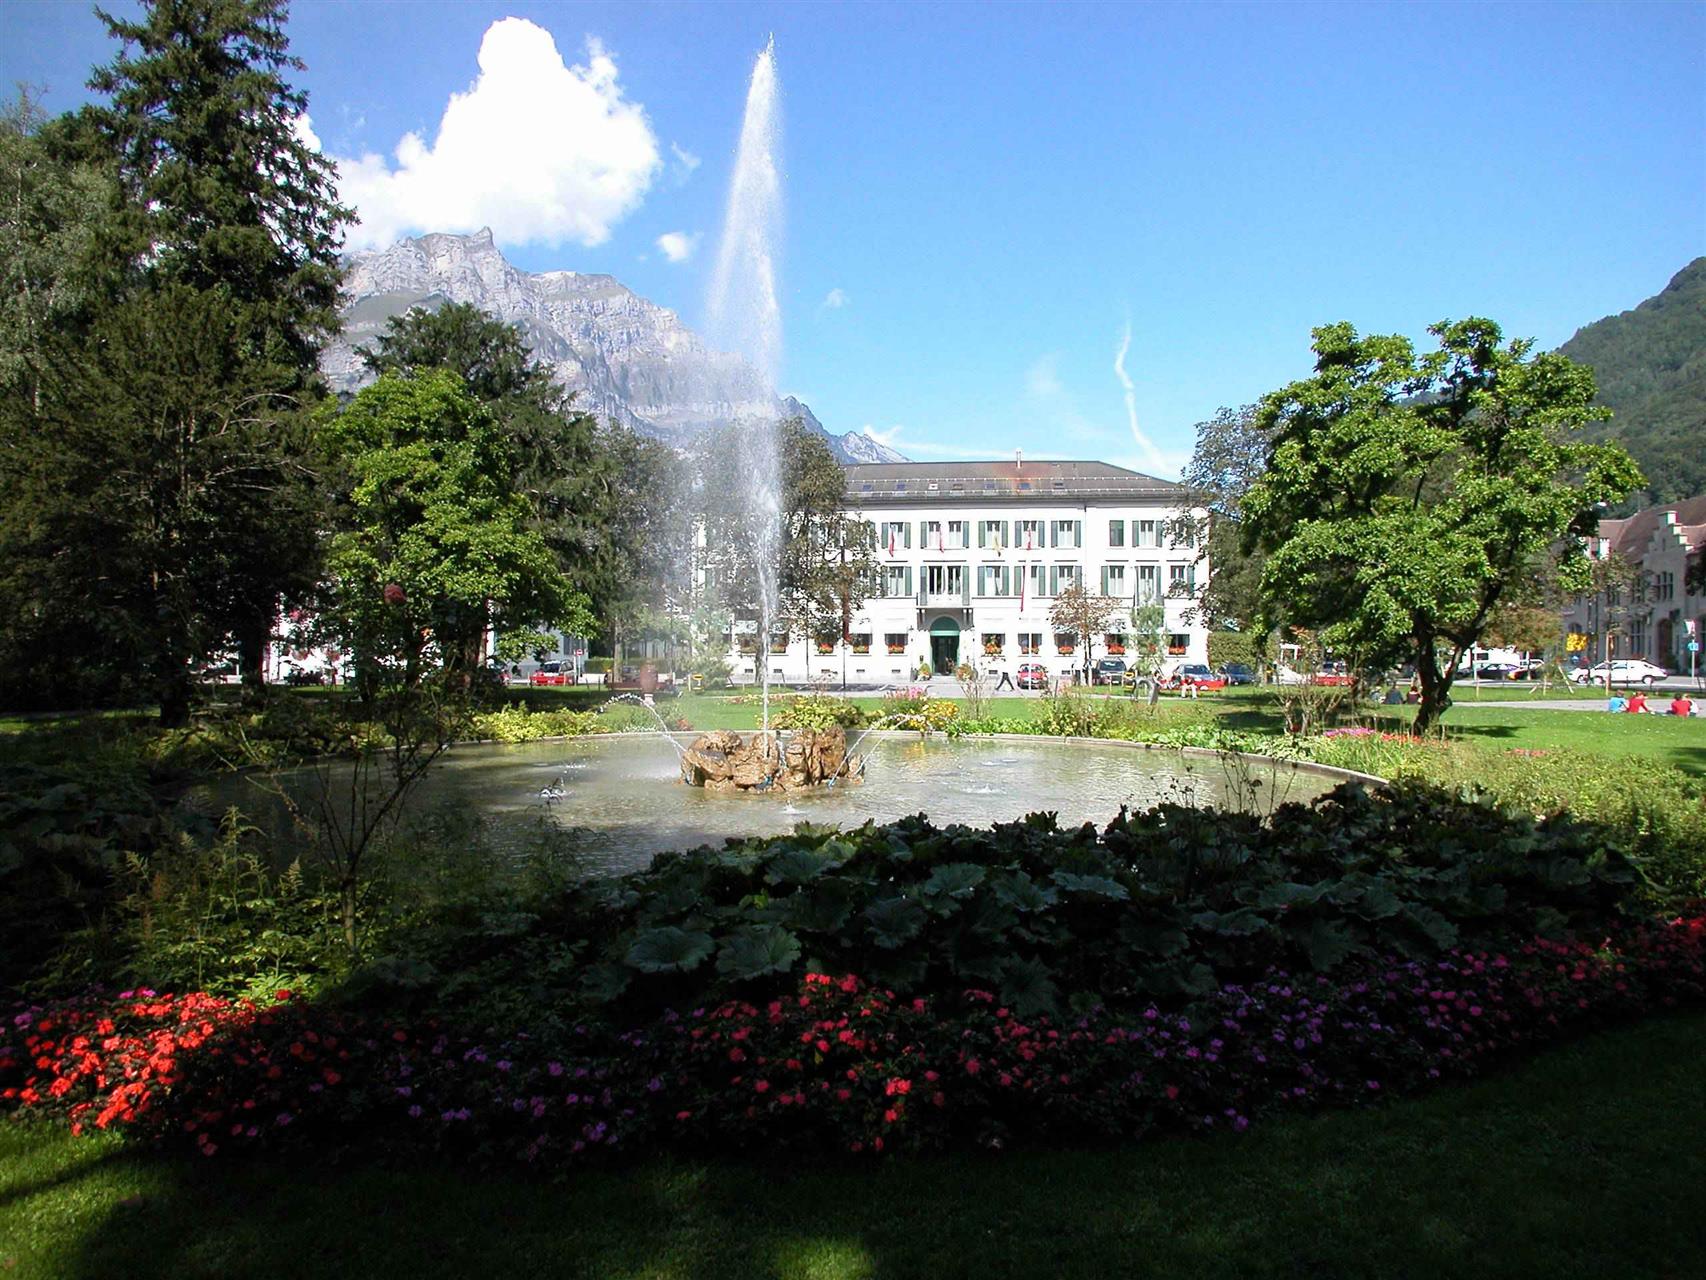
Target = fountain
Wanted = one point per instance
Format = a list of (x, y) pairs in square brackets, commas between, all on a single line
[(744, 315)]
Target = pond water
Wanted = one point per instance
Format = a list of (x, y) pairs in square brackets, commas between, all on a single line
[(617, 801)]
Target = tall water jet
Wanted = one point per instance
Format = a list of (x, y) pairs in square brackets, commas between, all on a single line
[(744, 315)]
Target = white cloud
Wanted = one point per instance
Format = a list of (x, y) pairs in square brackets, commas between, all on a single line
[(1042, 379), (892, 438), (883, 437), (302, 127), (538, 151), (678, 246), (683, 165), (1156, 461), (835, 299)]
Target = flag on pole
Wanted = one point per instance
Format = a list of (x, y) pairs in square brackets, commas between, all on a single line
[(1023, 570), (891, 541)]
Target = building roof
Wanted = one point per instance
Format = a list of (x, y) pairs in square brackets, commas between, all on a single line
[(894, 483), (1630, 537)]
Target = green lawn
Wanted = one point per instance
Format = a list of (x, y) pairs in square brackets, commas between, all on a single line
[(1586, 1162)]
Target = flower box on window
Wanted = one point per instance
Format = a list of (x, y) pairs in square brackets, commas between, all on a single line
[(1030, 649), (1065, 650), (826, 646), (992, 651), (1175, 650), (778, 646), (861, 646), (1117, 650), (897, 648)]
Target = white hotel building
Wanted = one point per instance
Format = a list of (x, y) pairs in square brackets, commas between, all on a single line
[(971, 557)]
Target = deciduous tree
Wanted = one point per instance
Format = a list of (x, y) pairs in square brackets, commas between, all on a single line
[(1403, 496)]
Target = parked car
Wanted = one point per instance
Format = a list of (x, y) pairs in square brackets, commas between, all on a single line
[(1501, 671), (1031, 675), (1197, 673), (1335, 675), (553, 673), (1108, 671), (1621, 671), (1237, 673)]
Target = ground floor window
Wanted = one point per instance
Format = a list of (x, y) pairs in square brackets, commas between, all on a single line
[(896, 641), (993, 643), (861, 641), (1030, 642), (1178, 644), (1065, 643), (1115, 644)]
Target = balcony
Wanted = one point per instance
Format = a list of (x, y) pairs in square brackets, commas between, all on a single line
[(954, 599)]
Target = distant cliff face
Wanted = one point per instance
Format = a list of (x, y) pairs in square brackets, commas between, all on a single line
[(624, 357)]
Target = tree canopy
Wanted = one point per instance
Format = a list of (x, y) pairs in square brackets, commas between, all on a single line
[(435, 544), (1404, 496)]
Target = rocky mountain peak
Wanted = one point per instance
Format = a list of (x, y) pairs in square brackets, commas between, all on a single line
[(626, 358)]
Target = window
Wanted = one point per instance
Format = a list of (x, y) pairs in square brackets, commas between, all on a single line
[(1181, 531), (1181, 579), (1114, 642), (1146, 536), (1116, 533), (992, 533), (895, 641), (1037, 577), (1148, 584), (861, 641), (957, 533), (993, 579), (895, 535), (993, 643), (1068, 533), (1178, 644), (1060, 577), (1028, 534), (1664, 586), (897, 580), (1065, 643), (931, 537), (1113, 580), (1030, 642)]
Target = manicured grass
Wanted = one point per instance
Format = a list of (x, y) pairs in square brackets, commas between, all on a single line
[(1665, 739), (1585, 1162)]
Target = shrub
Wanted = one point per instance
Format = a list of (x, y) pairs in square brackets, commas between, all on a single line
[(817, 711), (1233, 646), (1166, 905), (518, 724)]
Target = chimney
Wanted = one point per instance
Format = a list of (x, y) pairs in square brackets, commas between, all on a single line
[(1018, 460)]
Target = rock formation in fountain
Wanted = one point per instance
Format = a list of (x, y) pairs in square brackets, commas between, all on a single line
[(723, 760), (624, 357)]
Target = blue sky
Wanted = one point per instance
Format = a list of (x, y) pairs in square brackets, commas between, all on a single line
[(994, 192)]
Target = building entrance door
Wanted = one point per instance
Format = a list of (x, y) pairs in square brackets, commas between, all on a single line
[(944, 646)]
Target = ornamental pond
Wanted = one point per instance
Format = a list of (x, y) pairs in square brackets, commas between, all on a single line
[(616, 801)]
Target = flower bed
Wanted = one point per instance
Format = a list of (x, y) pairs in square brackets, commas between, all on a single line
[(834, 1063)]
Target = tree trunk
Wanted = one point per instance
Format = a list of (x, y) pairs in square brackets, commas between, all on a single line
[(174, 696), (347, 896), (1435, 689), (252, 652)]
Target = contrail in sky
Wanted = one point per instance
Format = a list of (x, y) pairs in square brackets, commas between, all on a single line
[(1156, 462)]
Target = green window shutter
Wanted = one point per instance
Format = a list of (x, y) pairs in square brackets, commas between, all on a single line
[(1053, 535), (924, 534), (908, 579), (1006, 581), (1054, 580), (1077, 533), (983, 533), (1104, 580)]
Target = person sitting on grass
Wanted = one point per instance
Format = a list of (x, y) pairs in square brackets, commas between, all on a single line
[(1617, 702), (1637, 702), (1681, 705)]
